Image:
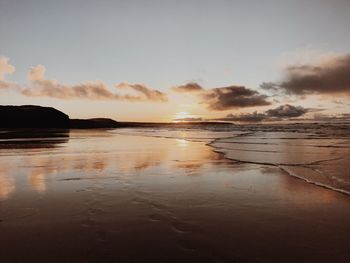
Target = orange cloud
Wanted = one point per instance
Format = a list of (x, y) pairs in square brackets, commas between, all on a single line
[(5, 69), (91, 90)]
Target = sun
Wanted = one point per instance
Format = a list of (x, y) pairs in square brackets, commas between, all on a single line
[(182, 115)]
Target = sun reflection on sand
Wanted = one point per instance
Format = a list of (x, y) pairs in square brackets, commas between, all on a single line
[(7, 183), (37, 181), (182, 142), (105, 156), (7, 186)]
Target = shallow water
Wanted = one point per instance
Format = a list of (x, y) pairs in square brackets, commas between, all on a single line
[(318, 154), (126, 196)]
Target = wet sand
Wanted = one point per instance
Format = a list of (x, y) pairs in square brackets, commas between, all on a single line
[(105, 197)]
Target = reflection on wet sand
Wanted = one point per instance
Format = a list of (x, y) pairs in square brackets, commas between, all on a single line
[(42, 166), (105, 197), (7, 181), (7, 186), (32, 139), (37, 181)]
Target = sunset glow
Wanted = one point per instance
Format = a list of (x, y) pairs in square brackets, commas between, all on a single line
[(182, 115)]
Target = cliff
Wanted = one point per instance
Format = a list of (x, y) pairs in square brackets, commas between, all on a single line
[(29, 116)]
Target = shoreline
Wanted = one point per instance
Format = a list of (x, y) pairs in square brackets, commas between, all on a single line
[(14, 135), (278, 165)]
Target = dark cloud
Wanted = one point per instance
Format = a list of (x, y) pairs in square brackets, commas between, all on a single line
[(225, 98), (282, 112), (233, 97), (244, 117), (286, 111), (269, 86), (189, 87), (331, 77)]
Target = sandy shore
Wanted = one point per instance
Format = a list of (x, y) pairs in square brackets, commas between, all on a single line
[(103, 197)]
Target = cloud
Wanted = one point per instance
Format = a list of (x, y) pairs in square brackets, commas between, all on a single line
[(5, 84), (286, 111), (150, 94), (282, 112), (91, 90), (244, 117), (233, 97), (36, 73), (269, 86), (330, 77), (42, 87), (225, 98), (304, 56), (189, 87), (5, 69)]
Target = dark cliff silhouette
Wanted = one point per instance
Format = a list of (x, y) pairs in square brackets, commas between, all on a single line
[(29, 116), (34, 117)]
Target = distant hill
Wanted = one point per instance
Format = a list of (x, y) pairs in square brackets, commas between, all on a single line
[(93, 123), (29, 116)]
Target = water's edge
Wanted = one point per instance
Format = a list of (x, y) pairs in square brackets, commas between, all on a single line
[(219, 150)]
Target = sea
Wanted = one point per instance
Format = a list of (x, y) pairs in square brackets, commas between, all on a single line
[(318, 153)]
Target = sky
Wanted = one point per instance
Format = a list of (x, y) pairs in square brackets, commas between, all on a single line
[(165, 60)]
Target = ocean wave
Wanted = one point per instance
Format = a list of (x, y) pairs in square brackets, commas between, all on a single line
[(314, 153)]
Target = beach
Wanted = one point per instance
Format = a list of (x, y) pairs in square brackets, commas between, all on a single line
[(176, 195), (175, 131)]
